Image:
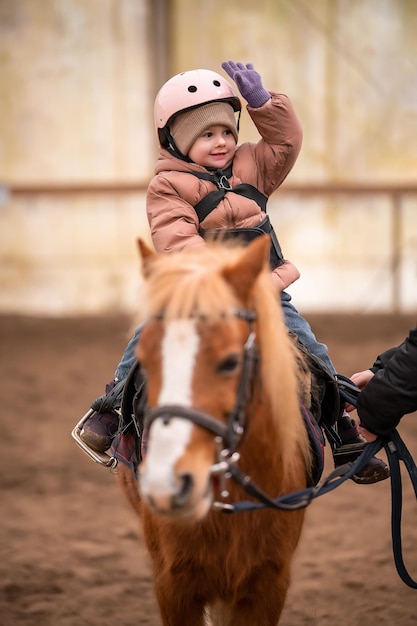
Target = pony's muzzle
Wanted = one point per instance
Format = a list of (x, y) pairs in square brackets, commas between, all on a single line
[(180, 499), (169, 503)]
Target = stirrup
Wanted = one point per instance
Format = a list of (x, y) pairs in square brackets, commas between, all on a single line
[(99, 457), (348, 452)]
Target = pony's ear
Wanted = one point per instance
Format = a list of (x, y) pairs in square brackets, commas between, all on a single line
[(146, 254), (242, 274)]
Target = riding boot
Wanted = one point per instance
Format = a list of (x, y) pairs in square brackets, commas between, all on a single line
[(101, 427), (351, 448)]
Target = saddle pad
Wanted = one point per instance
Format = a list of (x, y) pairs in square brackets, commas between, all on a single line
[(317, 443), (126, 449)]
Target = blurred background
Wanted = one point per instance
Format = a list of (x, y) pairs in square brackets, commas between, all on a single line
[(78, 80), (77, 144)]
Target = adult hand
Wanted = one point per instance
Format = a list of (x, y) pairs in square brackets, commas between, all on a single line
[(366, 434), (360, 379)]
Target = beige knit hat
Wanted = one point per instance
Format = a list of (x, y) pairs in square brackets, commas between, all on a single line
[(187, 126)]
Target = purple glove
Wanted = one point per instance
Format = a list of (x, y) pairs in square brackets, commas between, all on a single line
[(248, 82)]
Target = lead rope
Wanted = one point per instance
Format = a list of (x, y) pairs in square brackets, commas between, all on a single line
[(397, 451)]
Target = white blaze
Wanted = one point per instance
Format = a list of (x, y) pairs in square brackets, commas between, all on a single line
[(168, 441)]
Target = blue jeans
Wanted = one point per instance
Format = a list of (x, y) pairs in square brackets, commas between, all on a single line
[(302, 329), (293, 321), (128, 358)]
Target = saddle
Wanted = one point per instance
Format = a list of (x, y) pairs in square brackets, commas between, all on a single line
[(326, 402), (320, 403)]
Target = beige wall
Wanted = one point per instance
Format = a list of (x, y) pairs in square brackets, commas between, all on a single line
[(77, 82), (349, 66), (75, 109), (76, 91), (71, 254)]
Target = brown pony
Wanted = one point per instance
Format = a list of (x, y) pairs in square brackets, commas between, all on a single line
[(223, 391)]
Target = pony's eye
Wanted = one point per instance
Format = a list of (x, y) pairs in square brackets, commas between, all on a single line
[(229, 365)]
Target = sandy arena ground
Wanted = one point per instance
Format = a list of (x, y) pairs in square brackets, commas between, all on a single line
[(70, 550)]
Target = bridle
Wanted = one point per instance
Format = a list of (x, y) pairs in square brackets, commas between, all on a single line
[(228, 435)]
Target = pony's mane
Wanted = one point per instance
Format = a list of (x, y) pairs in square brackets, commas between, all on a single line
[(191, 284)]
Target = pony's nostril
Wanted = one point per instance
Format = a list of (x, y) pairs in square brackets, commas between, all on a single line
[(186, 485), (150, 501)]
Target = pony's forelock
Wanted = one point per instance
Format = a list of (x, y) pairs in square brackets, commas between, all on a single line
[(199, 286)]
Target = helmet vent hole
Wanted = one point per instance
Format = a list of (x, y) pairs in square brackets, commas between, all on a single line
[(192, 88), (216, 83)]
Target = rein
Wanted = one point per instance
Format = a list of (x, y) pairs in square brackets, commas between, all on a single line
[(229, 435), (396, 451)]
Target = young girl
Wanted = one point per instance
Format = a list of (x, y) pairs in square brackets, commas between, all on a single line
[(205, 183)]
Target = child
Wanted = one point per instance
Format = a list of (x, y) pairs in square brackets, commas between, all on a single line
[(205, 183)]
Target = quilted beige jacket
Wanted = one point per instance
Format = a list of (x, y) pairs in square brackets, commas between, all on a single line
[(173, 192)]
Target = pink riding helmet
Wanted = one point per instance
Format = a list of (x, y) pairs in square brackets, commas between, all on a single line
[(187, 91)]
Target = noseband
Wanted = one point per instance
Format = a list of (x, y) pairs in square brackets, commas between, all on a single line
[(229, 434)]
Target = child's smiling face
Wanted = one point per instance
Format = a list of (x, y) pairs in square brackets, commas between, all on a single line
[(215, 147)]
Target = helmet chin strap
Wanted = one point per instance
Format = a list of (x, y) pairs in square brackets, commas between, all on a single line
[(169, 144), (167, 141)]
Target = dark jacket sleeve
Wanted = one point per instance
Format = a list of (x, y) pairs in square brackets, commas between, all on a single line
[(382, 359), (392, 392)]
